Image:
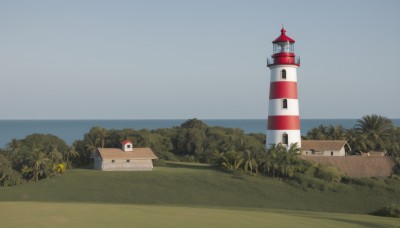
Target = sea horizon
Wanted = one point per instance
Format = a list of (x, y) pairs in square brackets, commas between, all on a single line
[(71, 130)]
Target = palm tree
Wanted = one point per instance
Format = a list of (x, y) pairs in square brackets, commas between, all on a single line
[(14, 147), (290, 162), (232, 160), (378, 129), (8, 176), (394, 145), (71, 153), (317, 133), (217, 157), (54, 155), (102, 135), (336, 132), (250, 161), (40, 164), (282, 162), (271, 164), (91, 144), (358, 141)]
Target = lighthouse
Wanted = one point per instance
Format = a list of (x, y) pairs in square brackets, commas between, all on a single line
[(283, 108)]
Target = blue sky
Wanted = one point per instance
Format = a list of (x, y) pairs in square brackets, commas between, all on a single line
[(185, 59)]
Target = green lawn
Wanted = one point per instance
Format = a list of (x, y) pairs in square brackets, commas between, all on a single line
[(29, 214), (191, 194)]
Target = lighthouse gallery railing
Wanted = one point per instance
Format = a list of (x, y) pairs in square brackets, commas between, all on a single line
[(291, 60)]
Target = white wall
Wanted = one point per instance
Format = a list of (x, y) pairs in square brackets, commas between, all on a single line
[(275, 107), (335, 152), (123, 165), (325, 152), (127, 147), (291, 73)]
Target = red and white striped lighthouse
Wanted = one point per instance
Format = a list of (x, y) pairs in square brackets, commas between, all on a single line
[(283, 112)]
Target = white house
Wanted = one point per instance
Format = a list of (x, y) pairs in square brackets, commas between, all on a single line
[(323, 147), (125, 159)]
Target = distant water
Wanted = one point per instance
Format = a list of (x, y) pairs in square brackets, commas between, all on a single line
[(71, 130)]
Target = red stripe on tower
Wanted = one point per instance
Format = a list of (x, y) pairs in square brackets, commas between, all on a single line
[(283, 89), (283, 123)]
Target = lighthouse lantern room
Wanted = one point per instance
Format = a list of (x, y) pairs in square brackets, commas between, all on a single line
[(283, 112)]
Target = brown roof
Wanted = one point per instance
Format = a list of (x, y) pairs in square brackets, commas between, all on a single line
[(137, 153), (357, 166), (321, 145), (373, 153)]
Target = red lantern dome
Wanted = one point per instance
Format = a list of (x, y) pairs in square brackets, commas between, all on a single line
[(283, 51), (283, 37)]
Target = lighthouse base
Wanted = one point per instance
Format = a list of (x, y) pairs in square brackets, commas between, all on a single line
[(285, 137)]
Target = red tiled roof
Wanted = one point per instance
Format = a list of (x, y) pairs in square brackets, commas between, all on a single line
[(126, 142)]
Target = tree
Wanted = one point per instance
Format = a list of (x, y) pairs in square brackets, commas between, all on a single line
[(194, 123), (282, 162), (55, 156), (318, 133), (250, 162), (335, 132), (232, 160), (14, 149), (378, 129), (358, 141), (71, 153), (95, 138), (40, 166), (8, 176), (271, 163)]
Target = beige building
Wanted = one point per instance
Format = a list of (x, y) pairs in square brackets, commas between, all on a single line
[(323, 147), (125, 159)]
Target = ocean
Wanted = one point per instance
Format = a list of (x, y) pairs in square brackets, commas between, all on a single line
[(71, 130)]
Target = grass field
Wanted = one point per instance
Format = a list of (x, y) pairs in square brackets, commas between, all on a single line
[(185, 192), (28, 214)]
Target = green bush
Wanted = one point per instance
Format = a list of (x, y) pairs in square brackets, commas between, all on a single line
[(159, 162), (308, 181), (329, 173), (391, 211), (169, 156), (189, 158), (395, 177)]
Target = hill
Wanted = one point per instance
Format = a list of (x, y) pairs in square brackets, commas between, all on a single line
[(201, 185)]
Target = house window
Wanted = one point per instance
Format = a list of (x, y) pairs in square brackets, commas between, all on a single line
[(285, 138), (113, 161), (284, 103), (283, 74), (128, 146), (312, 151), (128, 160), (331, 153)]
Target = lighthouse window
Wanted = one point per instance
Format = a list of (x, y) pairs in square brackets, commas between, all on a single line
[(281, 47), (283, 74), (285, 139), (284, 103)]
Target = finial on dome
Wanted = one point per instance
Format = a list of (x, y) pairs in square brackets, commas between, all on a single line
[(283, 31)]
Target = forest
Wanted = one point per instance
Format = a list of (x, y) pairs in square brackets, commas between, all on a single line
[(41, 156)]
